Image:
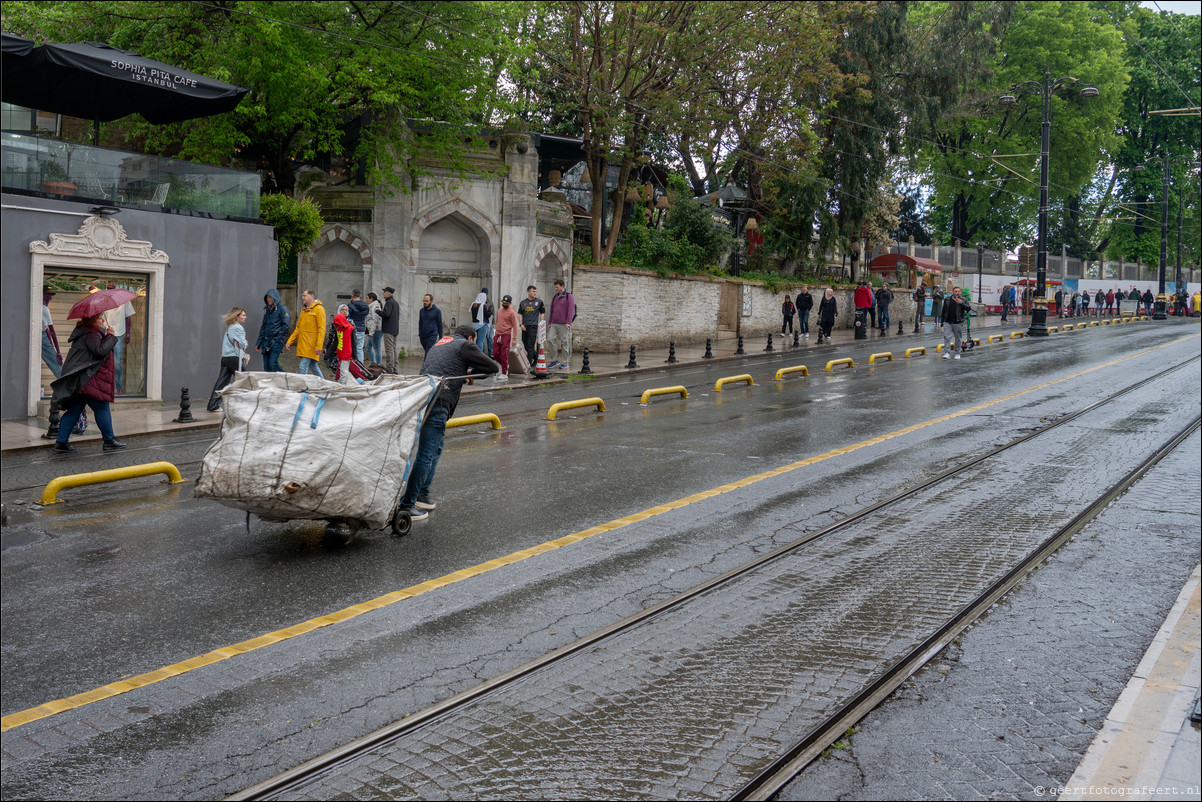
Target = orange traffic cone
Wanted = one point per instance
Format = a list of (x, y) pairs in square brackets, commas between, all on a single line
[(540, 367)]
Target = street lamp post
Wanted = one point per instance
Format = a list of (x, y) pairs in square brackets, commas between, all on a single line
[(1162, 298), (980, 267), (1039, 310)]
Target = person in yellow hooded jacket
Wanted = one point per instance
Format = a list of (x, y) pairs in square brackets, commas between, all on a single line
[(310, 333)]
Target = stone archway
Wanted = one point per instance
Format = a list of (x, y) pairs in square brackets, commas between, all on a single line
[(473, 219), (337, 234), (543, 265)]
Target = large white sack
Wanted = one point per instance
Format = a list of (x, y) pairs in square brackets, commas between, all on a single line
[(281, 456)]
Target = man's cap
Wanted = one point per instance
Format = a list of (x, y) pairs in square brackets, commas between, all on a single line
[(507, 299), (389, 290), (484, 290)]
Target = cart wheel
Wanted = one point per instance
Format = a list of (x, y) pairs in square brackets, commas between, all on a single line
[(401, 523)]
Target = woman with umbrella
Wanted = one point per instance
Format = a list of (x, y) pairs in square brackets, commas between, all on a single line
[(88, 377)]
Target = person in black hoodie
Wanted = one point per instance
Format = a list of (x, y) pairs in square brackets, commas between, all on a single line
[(390, 324), (456, 355), (955, 312), (804, 303), (274, 331), (828, 310)]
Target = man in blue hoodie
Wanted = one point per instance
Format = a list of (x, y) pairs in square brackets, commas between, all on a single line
[(357, 314), (277, 325)]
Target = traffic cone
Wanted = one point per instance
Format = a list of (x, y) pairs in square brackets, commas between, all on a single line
[(540, 367)]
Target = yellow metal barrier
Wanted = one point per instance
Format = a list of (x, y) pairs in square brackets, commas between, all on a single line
[(50, 494), (883, 355), (844, 361), (677, 390), (995, 338), (743, 377), (939, 348), (1014, 335), (783, 372), (468, 420), (1095, 323), (1052, 329), (911, 351), (975, 340), (583, 402), (1082, 325), (1107, 322)]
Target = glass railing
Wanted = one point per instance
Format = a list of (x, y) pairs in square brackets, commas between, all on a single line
[(84, 172)]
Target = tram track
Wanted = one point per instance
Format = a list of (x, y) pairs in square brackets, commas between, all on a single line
[(771, 778)]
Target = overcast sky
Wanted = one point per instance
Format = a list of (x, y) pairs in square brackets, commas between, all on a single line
[(1191, 7)]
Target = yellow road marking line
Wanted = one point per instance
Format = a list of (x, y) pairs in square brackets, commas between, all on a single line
[(224, 653)]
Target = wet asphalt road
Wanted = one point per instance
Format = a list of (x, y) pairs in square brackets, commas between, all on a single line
[(123, 580)]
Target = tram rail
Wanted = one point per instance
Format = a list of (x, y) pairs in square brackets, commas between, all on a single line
[(792, 760)]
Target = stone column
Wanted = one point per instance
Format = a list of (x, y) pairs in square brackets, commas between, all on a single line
[(910, 248)]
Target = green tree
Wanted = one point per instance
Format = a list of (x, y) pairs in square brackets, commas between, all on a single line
[(313, 68)]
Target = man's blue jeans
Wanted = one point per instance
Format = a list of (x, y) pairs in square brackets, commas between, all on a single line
[(803, 318), (375, 347), (309, 365), (50, 356), (883, 316), (271, 360), (359, 345), (429, 449), (73, 408)]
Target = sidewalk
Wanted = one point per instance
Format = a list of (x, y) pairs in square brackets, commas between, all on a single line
[(138, 417), (1148, 748)]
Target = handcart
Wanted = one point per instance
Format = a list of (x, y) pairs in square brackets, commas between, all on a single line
[(300, 447)]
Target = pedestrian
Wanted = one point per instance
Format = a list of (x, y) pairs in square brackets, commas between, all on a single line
[(828, 310), (51, 355), (787, 310), (390, 324), (374, 336), (884, 297), (357, 315), (1110, 298), (955, 312), (531, 310), (1004, 299), (1148, 301), (864, 303), (119, 319), (309, 334), (1085, 303), (344, 344), (1196, 301), (507, 323), (233, 352), (88, 379), (1098, 300), (429, 323), (559, 334), (456, 355), (479, 311), (966, 294), (490, 316), (804, 304), (1059, 303), (920, 307), (273, 331)]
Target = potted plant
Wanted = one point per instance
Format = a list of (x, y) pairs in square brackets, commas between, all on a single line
[(55, 179)]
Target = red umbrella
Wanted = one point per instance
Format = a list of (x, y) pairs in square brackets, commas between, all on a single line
[(100, 301)]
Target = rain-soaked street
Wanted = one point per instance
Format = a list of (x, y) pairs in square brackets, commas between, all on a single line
[(574, 525)]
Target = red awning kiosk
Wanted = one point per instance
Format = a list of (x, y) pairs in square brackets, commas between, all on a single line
[(906, 271)]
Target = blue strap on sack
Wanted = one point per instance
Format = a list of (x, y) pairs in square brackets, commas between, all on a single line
[(299, 409), (321, 402), (317, 413)]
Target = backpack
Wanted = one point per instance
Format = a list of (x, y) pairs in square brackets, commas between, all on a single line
[(329, 352)]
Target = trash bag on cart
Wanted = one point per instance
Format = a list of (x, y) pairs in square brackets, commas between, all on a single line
[(298, 446)]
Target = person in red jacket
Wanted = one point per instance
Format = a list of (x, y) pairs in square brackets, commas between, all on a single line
[(344, 330), (88, 379)]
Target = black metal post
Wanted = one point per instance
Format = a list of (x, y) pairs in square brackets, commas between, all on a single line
[(709, 349), (185, 407), (1161, 297), (1039, 310), (672, 353), (584, 368), (739, 351), (769, 348), (632, 363)]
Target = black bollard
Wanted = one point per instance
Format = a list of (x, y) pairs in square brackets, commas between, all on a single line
[(584, 368), (185, 407), (769, 347), (709, 349), (739, 351), (899, 326), (671, 353), (796, 339), (632, 363), (52, 430)]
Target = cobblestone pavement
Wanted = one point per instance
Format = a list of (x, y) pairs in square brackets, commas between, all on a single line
[(696, 701), (1010, 711)]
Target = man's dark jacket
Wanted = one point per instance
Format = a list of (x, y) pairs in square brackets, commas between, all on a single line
[(277, 324), (452, 356)]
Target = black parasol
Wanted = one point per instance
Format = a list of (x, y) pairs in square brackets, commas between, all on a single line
[(98, 82)]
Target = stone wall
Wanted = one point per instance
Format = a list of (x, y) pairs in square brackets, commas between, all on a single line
[(620, 307)]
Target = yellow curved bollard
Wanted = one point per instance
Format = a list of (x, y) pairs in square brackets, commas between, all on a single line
[(1095, 323), (920, 350), (783, 372), (583, 402), (939, 348), (975, 340), (996, 338), (884, 355), (50, 494), (1052, 329), (742, 377), (1082, 325), (677, 390), (844, 361), (1107, 322), (468, 420), (1014, 335)]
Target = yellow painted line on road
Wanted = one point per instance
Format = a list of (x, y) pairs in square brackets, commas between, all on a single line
[(217, 655)]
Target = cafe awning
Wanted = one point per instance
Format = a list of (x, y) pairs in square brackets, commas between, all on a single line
[(890, 261)]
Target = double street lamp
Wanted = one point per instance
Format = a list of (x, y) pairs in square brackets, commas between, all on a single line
[(1161, 297), (1039, 312)]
